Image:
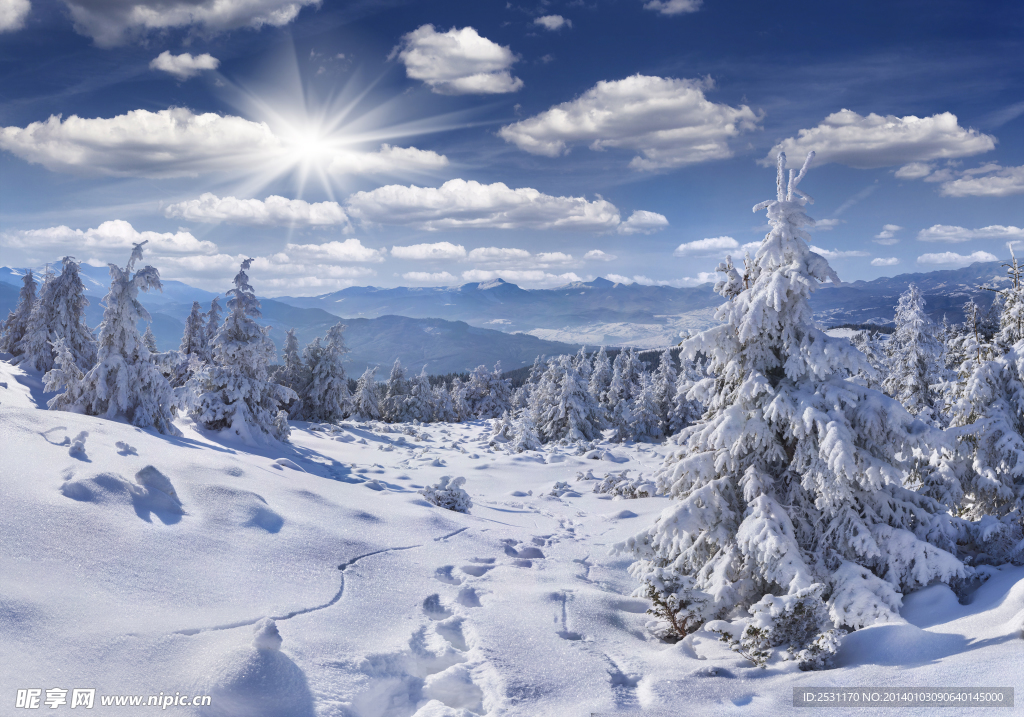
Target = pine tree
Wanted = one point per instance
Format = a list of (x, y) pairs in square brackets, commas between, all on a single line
[(685, 410), (149, 340), (124, 381), (325, 397), (366, 401), (571, 414), (665, 389), (793, 477), (913, 355), (488, 395), (212, 324), (294, 373), (867, 342), (524, 434), (16, 325), (1011, 320), (396, 390), (193, 351), (34, 350), (600, 376), (444, 407), (459, 403), (419, 405), (235, 394), (646, 424)]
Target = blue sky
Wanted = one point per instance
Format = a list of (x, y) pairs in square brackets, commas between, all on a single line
[(434, 143)]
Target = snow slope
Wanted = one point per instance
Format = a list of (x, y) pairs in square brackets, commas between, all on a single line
[(137, 564)]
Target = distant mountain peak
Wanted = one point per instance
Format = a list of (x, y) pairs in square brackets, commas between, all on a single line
[(492, 284)]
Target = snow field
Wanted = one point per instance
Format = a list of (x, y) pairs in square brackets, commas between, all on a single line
[(145, 563)]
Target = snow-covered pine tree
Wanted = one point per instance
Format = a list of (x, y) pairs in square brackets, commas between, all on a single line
[(366, 401), (396, 390), (192, 352), (444, 408), (685, 411), (665, 389), (459, 403), (1011, 321), (524, 434), (325, 397), (419, 405), (149, 340), (212, 318), (544, 398), (34, 350), (293, 373), (16, 325), (646, 424), (600, 376), (235, 394), (573, 414), (124, 381), (913, 356), (67, 317), (868, 343), (488, 395), (793, 477)]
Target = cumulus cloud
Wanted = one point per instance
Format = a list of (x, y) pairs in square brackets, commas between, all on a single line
[(837, 254), (176, 143), (114, 234), (437, 251), (185, 65), (292, 272), (536, 277), (955, 235), (673, 7), (425, 277), (457, 62), (888, 231), (872, 141), (890, 261), (702, 278), (914, 170), (670, 122), (272, 211), (950, 258), (643, 222), (13, 14), (707, 247), (598, 255), (114, 22), (995, 181), (824, 225), (461, 204), (517, 258), (552, 22), (348, 250)]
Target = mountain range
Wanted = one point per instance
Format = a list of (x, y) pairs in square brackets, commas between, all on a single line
[(452, 329)]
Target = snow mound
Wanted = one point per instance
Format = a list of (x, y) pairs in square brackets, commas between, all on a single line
[(110, 489)]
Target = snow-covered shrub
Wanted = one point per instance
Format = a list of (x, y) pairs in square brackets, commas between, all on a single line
[(501, 429), (677, 606), (524, 434), (620, 484), (449, 494), (794, 474), (16, 324), (325, 395), (124, 381), (796, 625), (235, 393)]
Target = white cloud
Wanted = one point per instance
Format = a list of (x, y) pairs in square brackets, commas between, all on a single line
[(668, 121), (914, 170), (348, 250), (888, 231), (879, 261), (298, 272), (114, 234), (114, 22), (176, 143), (425, 277), (535, 277), (13, 14), (673, 7), (871, 141), (512, 258), (461, 204), (419, 252), (949, 258), (999, 182), (457, 62), (643, 222), (836, 253), (707, 247), (273, 211), (185, 65), (824, 225), (552, 22), (598, 255), (954, 235), (702, 278)]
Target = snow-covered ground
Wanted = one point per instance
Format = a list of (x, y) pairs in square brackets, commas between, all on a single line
[(139, 564), (665, 333)]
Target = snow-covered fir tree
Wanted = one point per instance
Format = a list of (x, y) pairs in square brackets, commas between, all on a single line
[(665, 388), (444, 407), (212, 319), (459, 403), (16, 324), (685, 410), (1011, 320), (646, 423), (235, 394), (293, 373), (913, 356), (366, 400), (419, 405), (193, 349), (793, 477), (524, 434), (149, 340), (869, 343), (325, 396), (396, 390), (569, 413), (124, 381), (600, 376), (488, 395), (34, 349)]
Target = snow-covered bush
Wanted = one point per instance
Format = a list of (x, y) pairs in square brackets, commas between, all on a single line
[(124, 381), (524, 434), (16, 324), (235, 393), (449, 494), (620, 484), (793, 476)]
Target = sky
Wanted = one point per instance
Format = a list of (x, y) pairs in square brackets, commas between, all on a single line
[(392, 143)]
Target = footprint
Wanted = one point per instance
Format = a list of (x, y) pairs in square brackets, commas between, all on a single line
[(468, 598), (444, 574), (476, 570), (433, 608), (451, 630)]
